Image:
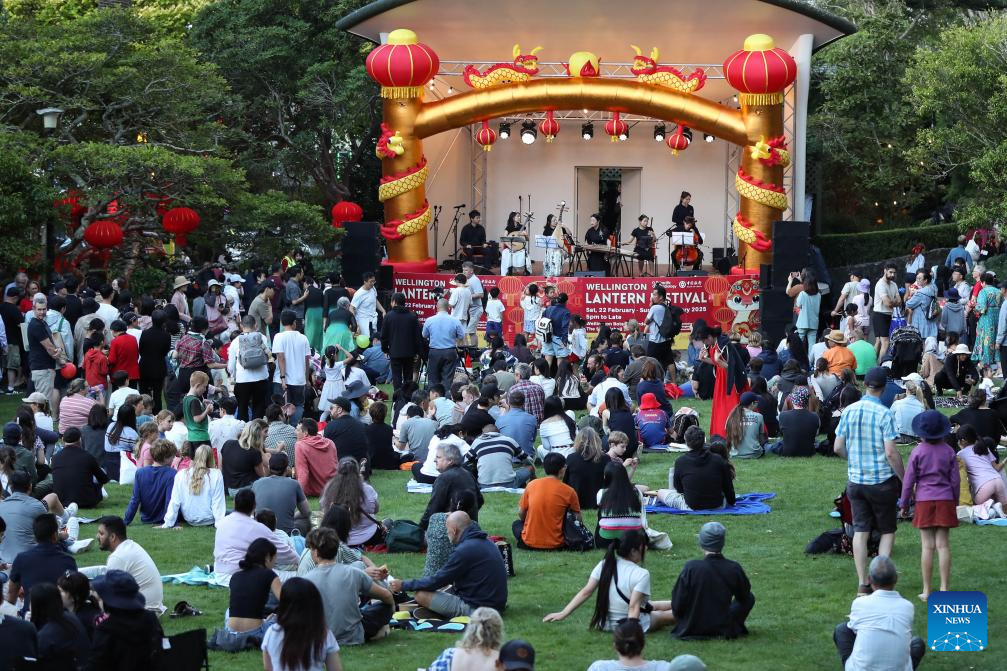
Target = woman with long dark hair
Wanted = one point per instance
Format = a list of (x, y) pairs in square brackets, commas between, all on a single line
[(62, 640), (807, 304), (767, 406), (623, 589), (618, 417), (569, 387), (121, 436), (252, 584), (585, 467), (300, 640), (745, 429), (557, 431), (620, 506), (796, 350), (348, 489), (75, 589)]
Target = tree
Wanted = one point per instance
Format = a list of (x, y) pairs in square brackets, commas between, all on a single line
[(311, 112), (960, 90), (25, 207)]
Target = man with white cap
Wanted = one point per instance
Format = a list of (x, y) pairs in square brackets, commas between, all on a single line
[(232, 292), (712, 596)]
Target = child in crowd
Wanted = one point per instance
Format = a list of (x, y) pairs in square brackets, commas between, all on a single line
[(195, 411), (143, 410), (932, 480), (532, 309), (183, 458), (494, 314), (618, 442), (652, 423), (578, 339), (148, 435), (164, 420), (96, 368)]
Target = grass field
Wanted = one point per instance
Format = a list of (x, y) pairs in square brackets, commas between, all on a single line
[(800, 598)]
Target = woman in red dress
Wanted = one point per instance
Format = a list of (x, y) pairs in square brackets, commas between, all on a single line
[(730, 382)]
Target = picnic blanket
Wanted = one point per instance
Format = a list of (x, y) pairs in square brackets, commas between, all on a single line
[(746, 504), (414, 487), (670, 447), (405, 620), (197, 575)]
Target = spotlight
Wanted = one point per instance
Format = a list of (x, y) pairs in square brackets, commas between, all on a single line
[(687, 132), (709, 138), (587, 130), (623, 136), (528, 132), (659, 130), (504, 130)]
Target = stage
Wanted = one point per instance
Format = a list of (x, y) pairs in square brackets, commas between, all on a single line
[(729, 302)]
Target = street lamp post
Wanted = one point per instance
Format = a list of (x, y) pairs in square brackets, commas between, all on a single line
[(50, 121)]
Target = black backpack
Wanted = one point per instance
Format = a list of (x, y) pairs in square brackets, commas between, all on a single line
[(671, 325), (680, 424)]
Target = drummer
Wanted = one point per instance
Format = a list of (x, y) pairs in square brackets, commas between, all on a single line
[(473, 236)]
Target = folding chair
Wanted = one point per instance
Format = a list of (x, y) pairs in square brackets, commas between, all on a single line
[(185, 652)]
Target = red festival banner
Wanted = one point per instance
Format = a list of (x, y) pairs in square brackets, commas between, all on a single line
[(729, 302)]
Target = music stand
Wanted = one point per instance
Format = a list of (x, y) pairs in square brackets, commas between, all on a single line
[(683, 238), (546, 242)]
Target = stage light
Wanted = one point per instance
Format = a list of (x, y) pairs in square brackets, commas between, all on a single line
[(623, 136), (687, 132), (709, 138), (528, 132), (504, 130), (587, 131), (659, 132)]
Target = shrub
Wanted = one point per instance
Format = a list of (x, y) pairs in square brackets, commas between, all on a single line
[(843, 249)]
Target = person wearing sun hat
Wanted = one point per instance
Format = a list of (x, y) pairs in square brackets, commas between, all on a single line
[(838, 354), (712, 596), (128, 636), (179, 299), (959, 373), (652, 423)]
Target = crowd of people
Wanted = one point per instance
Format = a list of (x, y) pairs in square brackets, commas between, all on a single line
[(252, 393)]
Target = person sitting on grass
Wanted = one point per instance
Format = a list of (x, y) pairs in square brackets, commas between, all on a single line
[(879, 632), (197, 494), (623, 589), (700, 479), (494, 455), (43, 562), (129, 636), (746, 430), (152, 486), (629, 643), (479, 647), (127, 555), (620, 506), (543, 508), (453, 479), (251, 587), (799, 427), (712, 596), (76, 475), (237, 531), (299, 638), (475, 572)]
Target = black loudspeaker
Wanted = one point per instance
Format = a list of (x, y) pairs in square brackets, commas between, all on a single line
[(693, 273), (386, 278), (360, 251), (791, 249), (777, 312), (590, 273), (765, 277)]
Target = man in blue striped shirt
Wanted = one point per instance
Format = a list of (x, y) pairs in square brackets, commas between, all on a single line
[(866, 437), (494, 455)]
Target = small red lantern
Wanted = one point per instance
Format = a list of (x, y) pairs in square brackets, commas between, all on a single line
[(486, 136), (549, 127), (402, 65), (181, 221), (103, 234), (616, 128), (344, 211), (678, 141), (760, 71)]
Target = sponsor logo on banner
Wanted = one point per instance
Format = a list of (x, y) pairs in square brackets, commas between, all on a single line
[(956, 621)]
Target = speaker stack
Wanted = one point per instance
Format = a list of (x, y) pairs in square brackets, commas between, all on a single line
[(360, 251), (791, 253)]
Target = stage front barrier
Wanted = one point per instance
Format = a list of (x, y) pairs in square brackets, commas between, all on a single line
[(728, 302)]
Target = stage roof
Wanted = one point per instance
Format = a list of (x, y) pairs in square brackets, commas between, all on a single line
[(685, 31)]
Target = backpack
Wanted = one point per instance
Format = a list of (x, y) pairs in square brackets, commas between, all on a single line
[(404, 536), (576, 536), (933, 309), (679, 424), (671, 325), (251, 352), (543, 329)]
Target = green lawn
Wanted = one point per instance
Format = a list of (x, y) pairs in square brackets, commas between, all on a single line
[(800, 598)]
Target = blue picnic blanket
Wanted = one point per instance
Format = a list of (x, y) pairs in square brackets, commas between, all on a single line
[(195, 576), (746, 504)]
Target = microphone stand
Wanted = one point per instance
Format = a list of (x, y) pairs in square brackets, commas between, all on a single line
[(671, 261), (453, 230), (434, 226)]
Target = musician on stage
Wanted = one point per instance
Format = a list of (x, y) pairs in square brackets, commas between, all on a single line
[(683, 255), (515, 256), (553, 264), (472, 237), (596, 261), (643, 242), (683, 209)]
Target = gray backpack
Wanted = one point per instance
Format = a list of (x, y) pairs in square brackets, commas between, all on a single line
[(251, 352)]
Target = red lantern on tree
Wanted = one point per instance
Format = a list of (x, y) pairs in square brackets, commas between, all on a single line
[(402, 65), (344, 211), (72, 201), (549, 127), (760, 71), (181, 221), (103, 234), (486, 136), (616, 128), (678, 141)]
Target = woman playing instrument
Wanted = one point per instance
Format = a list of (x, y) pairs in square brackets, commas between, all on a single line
[(691, 254), (643, 242), (596, 260), (554, 228), (515, 255)]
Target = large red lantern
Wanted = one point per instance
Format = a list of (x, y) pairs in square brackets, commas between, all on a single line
[(486, 136), (549, 126), (616, 128), (402, 65), (103, 234), (678, 141), (344, 211), (181, 221), (760, 71)]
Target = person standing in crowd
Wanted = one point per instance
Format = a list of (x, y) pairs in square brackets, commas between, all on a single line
[(261, 308), (248, 367), (442, 332), (557, 350), (153, 349), (923, 307), (293, 369), (365, 306), (194, 352), (959, 255), (886, 299), (460, 301), (401, 340), (475, 286), (658, 347), (43, 353), (866, 437), (178, 299), (986, 353), (807, 304), (12, 320), (293, 295), (124, 353)]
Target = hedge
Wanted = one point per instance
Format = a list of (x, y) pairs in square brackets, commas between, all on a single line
[(843, 249)]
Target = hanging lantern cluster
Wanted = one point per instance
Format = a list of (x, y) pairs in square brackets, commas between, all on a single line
[(180, 221), (345, 211), (486, 136), (616, 128), (549, 126), (679, 140), (760, 71), (402, 66)]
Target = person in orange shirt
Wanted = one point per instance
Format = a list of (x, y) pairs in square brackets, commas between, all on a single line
[(543, 507), (837, 354)]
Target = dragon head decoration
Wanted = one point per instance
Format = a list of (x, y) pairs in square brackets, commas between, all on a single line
[(529, 61), (643, 65)]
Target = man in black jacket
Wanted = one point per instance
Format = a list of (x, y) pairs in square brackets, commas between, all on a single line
[(702, 480), (453, 479), (75, 472), (401, 340)]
